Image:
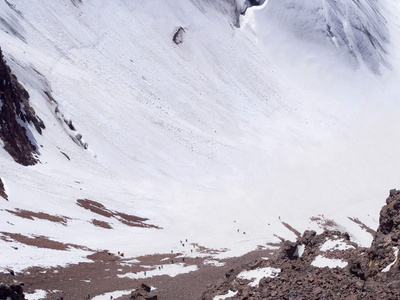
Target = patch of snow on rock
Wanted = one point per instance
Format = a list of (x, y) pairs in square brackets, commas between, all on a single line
[(114, 294), (256, 275), (336, 245), (396, 253), (322, 262), (229, 294), (299, 250), (37, 295), (215, 263), (170, 270)]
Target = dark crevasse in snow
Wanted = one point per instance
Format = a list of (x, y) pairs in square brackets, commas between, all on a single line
[(15, 115)]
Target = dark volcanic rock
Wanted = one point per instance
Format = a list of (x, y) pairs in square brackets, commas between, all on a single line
[(178, 36), (362, 278), (2, 190), (12, 292), (143, 293), (15, 114)]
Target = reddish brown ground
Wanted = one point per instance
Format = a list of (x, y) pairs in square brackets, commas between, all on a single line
[(124, 218), (38, 241), (27, 214), (77, 281)]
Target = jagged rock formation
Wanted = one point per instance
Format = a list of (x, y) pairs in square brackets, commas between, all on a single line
[(15, 114), (143, 293), (371, 273), (12, 292), (178, 36), (2, 190)]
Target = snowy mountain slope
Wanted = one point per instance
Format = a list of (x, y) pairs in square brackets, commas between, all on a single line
[(202, 138), (354, 31)]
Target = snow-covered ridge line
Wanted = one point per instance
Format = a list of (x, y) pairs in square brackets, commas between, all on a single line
[(355, 30)]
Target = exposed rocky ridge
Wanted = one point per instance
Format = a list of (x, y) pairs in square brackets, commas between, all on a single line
[(3, 191), (143, 293), (371, 273), (12, 292), (15, 114)]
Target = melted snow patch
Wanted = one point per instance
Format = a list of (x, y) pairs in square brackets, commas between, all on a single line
[(41, 257), (222, 297), (322, 262), (170, 270), (396, 253), (37, 295), (115, 294), (336, 245), (256, 275), (215, 263), (299, 250)]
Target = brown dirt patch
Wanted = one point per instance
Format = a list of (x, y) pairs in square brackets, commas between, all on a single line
[(95, 207), (324, 223), (102, 224), (101, 276), (39, 241), (26, 214), (124, 218), (298, 234)]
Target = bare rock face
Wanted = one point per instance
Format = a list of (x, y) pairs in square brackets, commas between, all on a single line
[(2, 190), (12, 292), (371, 273), (387, 236), (15, 114), (143, 293)]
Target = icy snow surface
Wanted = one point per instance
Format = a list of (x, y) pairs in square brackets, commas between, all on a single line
[(228, 130), (396, 253), (170, 270), (229, 294), (255, 275), (322, 262), (299, 250), (335, 245), (37, 295), (115, 294)]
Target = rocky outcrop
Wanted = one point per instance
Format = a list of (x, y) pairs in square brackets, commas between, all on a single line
[(370, 273), (2, 190), (387, 237), (12, 292), (178, 36), (15, 114), (143, 293)]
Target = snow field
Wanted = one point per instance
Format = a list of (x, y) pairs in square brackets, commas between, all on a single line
[(224, 132)]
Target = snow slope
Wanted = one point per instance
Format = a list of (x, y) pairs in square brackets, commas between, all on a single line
[(228, 130)]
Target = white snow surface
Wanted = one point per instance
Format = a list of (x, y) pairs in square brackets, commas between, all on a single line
[(37, 295), (338, 244), (171, 270), (115, 294), (227, 295), (257, 274), (228, 130), (321, 262), (299, 250)]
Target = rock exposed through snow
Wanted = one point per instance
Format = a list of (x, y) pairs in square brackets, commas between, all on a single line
[(367, 273), (15, 115)]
